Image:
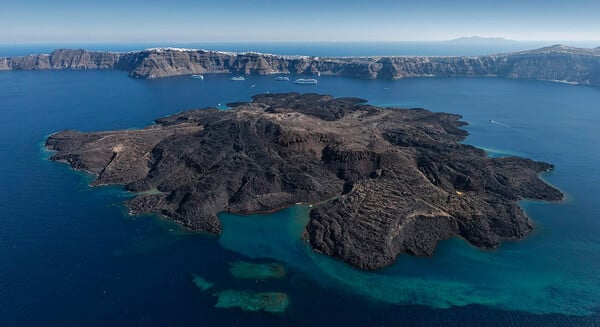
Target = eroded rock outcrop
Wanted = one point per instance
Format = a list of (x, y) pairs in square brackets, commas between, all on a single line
[(385, 181)]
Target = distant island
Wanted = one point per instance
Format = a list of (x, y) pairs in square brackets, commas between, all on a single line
[(382, 181), (556, 63), (481, 40)]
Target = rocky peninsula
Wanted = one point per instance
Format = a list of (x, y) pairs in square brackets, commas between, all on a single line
[(383, 181), (555, 63)]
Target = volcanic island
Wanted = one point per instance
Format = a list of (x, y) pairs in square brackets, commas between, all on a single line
[(382, 181)]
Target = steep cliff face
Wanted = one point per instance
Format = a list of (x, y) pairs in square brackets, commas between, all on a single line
[(70, 59), (81, 59), (164, 62), (31, 62), (556, 63), (383, 181)]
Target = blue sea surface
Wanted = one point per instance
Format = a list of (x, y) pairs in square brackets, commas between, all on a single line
[(322, 49), (71, 256)]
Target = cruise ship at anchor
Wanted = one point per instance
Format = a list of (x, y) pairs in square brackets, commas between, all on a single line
[(306, 81)]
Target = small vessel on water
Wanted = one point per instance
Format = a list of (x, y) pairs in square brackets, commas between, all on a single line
[(282, 78), (306, 81), (238, 78), (197, 76)]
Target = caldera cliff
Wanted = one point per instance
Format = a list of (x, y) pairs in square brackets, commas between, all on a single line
[(383, 181), (556, 63)]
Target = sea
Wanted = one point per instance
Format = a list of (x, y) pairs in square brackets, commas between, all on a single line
[(71, 255), (320, 49)]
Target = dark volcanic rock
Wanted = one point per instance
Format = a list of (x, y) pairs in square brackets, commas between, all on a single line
[(388, 181)]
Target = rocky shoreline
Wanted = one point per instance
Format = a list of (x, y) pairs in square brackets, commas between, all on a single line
[(556, 63), (384, 181)]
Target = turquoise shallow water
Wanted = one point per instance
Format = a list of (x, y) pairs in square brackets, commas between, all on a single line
[(69, 255)]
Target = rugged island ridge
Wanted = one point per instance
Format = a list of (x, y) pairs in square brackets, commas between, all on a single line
[(384, 181), (556, 63)]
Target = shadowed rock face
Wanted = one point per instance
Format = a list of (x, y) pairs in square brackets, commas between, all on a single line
[(384, 181)]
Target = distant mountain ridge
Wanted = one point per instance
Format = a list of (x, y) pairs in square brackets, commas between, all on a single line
[(557, 63)]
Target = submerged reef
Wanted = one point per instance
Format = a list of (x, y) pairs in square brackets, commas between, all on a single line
[(383, 181), (274, 302), (247, 270), (202, 283)]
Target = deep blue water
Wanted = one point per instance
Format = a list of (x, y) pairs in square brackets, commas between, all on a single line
[(71, 256), (322, 49)]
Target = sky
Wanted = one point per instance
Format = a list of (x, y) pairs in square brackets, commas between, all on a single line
[(48, 21)]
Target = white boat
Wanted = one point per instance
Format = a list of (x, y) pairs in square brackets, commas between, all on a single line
[(197, 76), (282, 78), (239, 78), (306, 81)]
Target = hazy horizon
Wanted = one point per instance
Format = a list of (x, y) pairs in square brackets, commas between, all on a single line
[(459, 47), (480, 39), (186, 21)]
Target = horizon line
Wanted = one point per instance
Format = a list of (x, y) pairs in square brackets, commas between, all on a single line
[(556, 41)]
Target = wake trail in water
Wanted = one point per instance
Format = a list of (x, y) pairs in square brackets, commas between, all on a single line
[(495, 122)]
